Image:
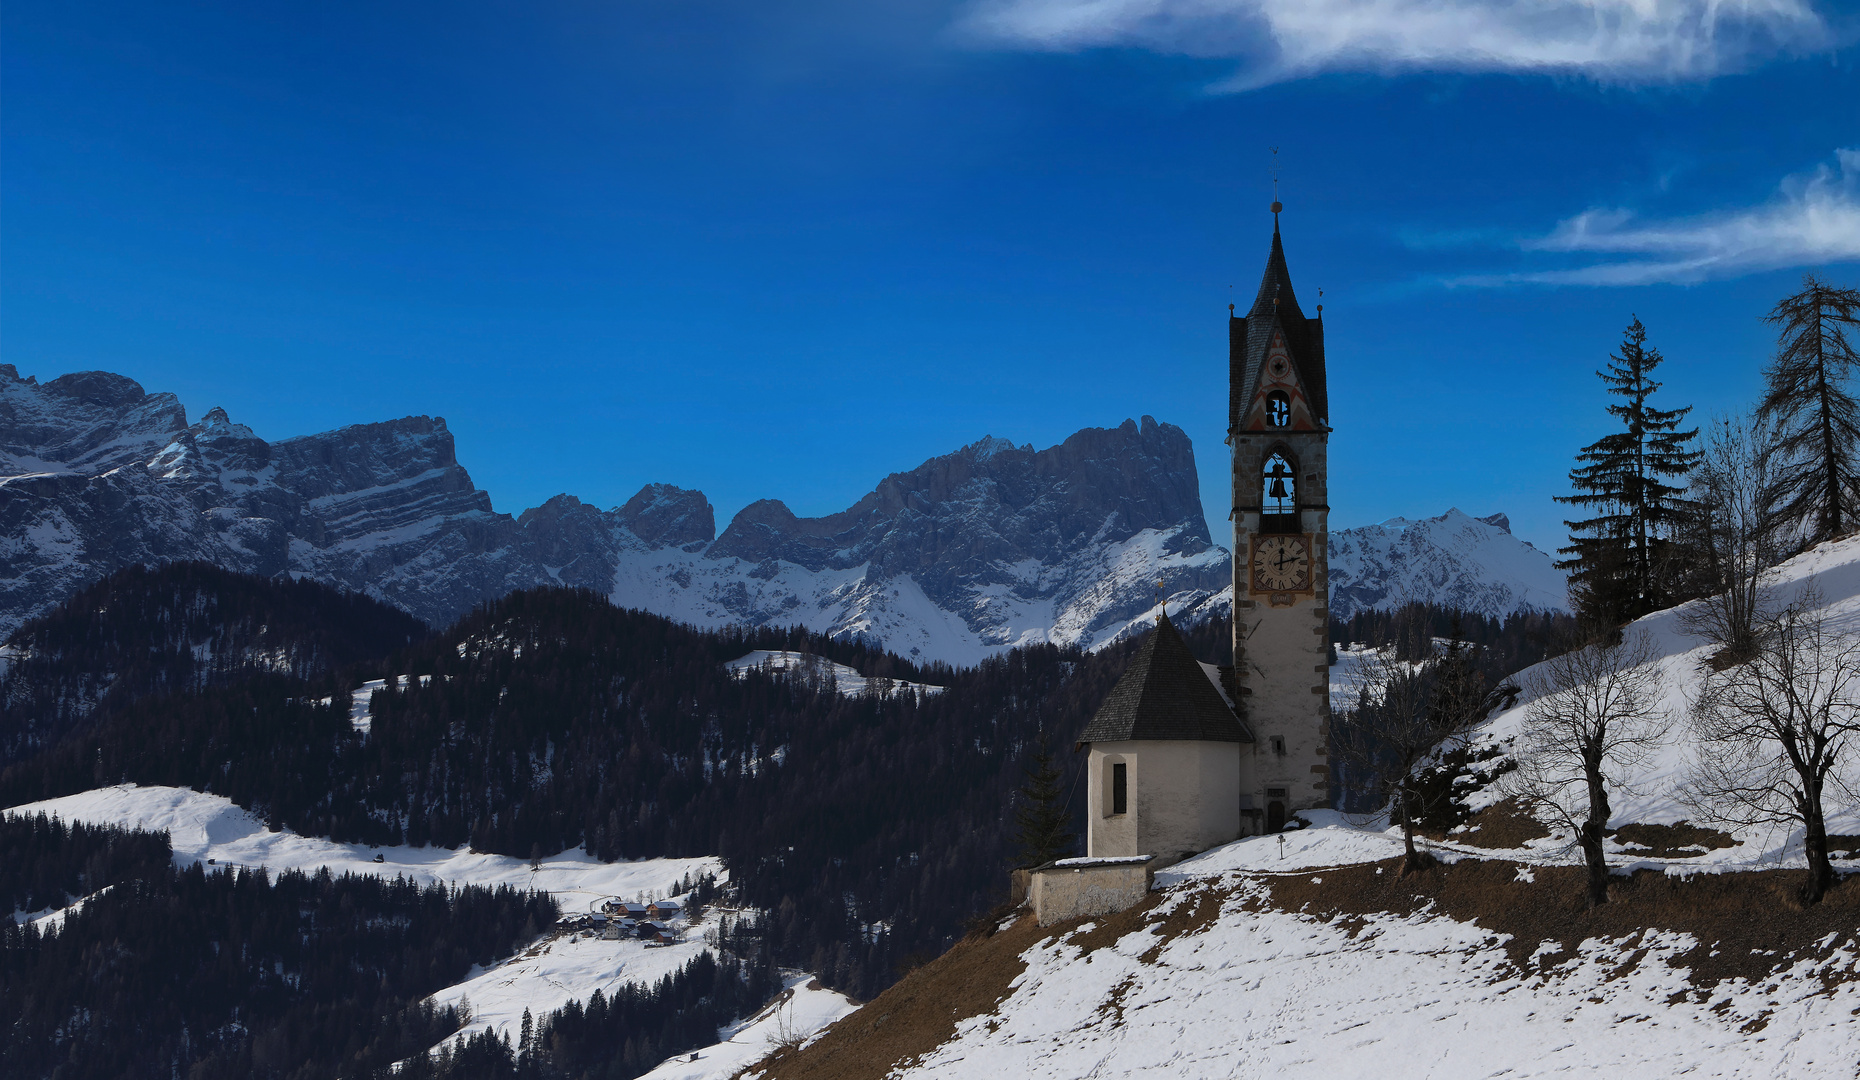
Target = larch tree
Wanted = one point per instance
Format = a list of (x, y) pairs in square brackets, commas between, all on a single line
[(1811, 490), (1595, 717), (1615, 556), (1777, 732)]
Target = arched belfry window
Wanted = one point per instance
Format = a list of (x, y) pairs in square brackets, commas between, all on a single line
[(1278, 409), (1278, 504)]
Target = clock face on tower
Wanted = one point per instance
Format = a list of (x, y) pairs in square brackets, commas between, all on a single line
[(1281, 564)]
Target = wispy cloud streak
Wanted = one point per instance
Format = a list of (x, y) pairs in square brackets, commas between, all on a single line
[(1609, 40), (1813, 220)]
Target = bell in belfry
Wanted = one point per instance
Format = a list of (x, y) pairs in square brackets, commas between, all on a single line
[(1278, 474)]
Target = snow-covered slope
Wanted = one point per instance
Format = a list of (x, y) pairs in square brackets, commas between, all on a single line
[(1473, 564), (541, 978), (1221, 981), (845, 680), (1831, 574), (208, 828), (967, 554), (556, 970), (803, 1008)]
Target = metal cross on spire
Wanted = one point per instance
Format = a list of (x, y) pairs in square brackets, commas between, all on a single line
[(1162, 601), (1276, 204)]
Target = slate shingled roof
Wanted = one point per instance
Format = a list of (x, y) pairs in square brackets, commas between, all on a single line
[(1164, 695), (1250, 335)]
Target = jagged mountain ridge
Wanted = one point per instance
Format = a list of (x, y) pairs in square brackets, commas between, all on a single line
[(990, 546), (969, 553), (1456, 561)]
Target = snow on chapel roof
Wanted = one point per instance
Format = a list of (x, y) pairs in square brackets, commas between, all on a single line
[(1164, 694)]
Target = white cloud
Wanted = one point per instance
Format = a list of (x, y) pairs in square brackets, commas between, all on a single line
[(1610, 40), (1813, 220)]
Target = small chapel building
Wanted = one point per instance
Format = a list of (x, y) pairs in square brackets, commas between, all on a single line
[(1185, 757), (1167, 754)]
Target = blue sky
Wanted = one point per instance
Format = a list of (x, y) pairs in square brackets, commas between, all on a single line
[(780, 250)]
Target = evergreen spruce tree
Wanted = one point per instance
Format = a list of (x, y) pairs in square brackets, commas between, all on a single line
[(1041, 814), (1615, 557), (1811, 490)]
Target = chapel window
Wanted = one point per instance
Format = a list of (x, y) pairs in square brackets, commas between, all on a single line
[(1120, 789)]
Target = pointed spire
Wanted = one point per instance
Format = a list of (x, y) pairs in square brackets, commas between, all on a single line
[(1275, 311), (1275, 286)]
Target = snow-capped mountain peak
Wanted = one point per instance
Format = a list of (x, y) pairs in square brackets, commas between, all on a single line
[(1455, 560)]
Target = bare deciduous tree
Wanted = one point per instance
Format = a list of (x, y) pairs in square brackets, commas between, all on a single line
[(1404, 711), (1737, 548), (1776, 731), (1595, 718)]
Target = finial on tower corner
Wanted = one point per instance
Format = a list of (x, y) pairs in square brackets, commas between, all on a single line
[(1320, 300)]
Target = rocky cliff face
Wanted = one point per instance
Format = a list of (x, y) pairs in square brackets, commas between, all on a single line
[(973, 551), (988, 547), (98, 475)]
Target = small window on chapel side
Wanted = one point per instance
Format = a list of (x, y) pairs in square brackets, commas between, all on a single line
[(1278, 409), (1120, 789)]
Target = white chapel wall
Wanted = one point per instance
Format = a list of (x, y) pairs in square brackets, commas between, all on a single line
[(1183, 797)]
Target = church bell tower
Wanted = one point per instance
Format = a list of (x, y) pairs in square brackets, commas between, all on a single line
[(1278, 430)]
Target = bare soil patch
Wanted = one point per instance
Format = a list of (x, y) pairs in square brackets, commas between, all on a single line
[(1504, 824), (1748, 924), (1677, 841)]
